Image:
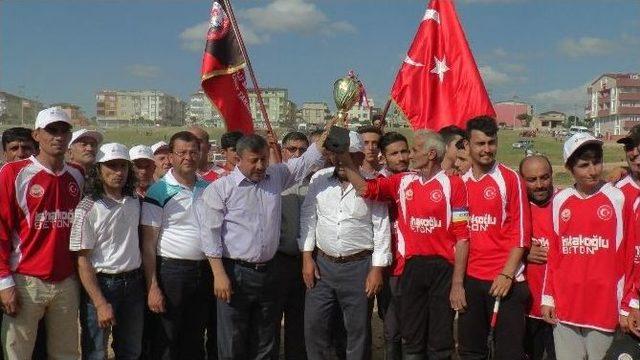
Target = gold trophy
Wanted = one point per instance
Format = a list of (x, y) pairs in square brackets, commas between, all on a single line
[(346, 93)]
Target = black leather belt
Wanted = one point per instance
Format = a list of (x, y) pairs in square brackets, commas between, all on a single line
[(260, 267), (345, 259), (121, 276)]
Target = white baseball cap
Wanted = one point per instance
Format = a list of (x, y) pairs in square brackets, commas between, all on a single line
[(157, 146), (140, 152), (50, 116), (355, 142), (112, 151), (575, 142), (94, 134)]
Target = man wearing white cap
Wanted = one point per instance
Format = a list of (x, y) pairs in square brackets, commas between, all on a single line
[(351, 237), (105, 237), (161, 156), (589, 257), (83, 147), (144, 167), (37, 270)]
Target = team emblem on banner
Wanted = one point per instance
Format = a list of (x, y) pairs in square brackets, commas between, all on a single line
[(219, 23)]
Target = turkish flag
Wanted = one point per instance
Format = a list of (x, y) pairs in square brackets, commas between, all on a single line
[(439, 83), (223, 77)]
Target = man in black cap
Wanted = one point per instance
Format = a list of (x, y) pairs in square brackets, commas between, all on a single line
[(630, 184)]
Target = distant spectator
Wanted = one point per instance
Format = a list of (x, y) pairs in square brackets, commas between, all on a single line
[(161, 157), (228, 143), (378, 122)]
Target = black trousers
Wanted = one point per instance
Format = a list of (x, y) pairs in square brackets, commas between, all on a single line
[(473, 324), (389, 308), (426, 317), (291, 289), (247, 324), (187, 290), (538, 340)]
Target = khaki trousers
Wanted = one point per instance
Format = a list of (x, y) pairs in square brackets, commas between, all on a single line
[(58, 304)]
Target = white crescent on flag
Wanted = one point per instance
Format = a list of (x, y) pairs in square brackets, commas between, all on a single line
[(410, 61)]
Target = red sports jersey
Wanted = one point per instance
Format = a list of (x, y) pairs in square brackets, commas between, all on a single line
[(588, 257), (542, 231), (630, 189), (432, 213), (397, 267), (36, 217), (499, 220)]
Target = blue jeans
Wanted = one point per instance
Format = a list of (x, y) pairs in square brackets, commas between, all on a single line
[(126, 296)]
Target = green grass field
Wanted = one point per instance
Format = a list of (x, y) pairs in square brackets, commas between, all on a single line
[(613, 154)]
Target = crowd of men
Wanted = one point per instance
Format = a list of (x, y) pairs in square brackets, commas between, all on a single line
[(173, 257)]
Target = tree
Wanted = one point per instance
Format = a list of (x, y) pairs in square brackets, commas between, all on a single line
[(525, 119)]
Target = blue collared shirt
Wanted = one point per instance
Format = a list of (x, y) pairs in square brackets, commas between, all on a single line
[(240, 219)]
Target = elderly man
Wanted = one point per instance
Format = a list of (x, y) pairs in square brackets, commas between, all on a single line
[(144, 166), (240, 217), (351, 238), (177, 274), (208, 172), (37, 270), (432, 219), (83, 148), (161, 156), (537, 174)]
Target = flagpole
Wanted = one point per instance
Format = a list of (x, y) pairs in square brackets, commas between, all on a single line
[(243, 50), (385, 110)]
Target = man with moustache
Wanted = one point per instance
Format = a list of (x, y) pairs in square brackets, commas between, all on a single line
[(17, 144), (350, 237), (240, 217), (538, 179), (176, 271), (161, 156), (432, 236), (37, 272), (144, 167), (83, 148)]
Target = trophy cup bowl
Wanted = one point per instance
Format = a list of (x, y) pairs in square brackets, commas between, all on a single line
[(346, 93)]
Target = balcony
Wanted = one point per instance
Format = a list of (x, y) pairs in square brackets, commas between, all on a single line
[(602, 113), (629, 96), (628, 110)]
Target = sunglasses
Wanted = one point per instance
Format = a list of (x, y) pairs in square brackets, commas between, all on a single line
[(296, 148)]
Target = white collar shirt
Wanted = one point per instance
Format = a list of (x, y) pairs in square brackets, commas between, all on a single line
[(170, 206), (341, 223), (109, 228)]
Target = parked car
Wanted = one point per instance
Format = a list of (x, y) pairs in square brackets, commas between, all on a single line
[(522, 144)]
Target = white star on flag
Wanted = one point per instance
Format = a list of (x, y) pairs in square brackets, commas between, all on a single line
[(440, 67), (431, 14)]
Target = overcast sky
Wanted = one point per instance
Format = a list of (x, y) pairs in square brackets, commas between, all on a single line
[(542, 51)]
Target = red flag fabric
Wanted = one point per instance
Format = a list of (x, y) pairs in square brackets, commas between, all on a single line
[(439, 83), (223, 79)]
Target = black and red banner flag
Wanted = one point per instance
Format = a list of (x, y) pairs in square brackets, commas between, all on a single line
[(223, 78)]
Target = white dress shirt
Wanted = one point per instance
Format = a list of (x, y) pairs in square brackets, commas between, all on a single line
[(340, 223)]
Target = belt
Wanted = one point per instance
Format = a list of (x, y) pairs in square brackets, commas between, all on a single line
[(260, 267), (345, 259), (182, 262), (121, 276)]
